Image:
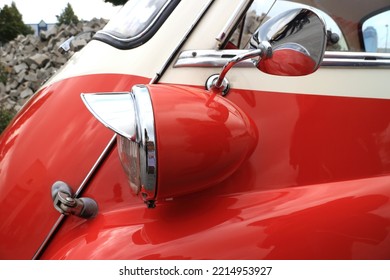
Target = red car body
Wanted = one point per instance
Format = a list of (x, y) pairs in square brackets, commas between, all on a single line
[(279, 168)]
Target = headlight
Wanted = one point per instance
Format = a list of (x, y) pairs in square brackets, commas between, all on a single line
[(130, 115), (174, 140)]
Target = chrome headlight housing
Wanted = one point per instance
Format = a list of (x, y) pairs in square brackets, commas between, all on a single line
[(130, 115), (202, 138)]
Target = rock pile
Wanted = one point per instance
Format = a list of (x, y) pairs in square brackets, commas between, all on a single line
[(28, 61)]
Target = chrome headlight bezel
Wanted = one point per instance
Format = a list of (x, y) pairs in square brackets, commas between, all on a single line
[(130, 115), (188, 123)]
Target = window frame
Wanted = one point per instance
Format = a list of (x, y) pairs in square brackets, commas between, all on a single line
[(219, 57), (364, 19), (143, 36)]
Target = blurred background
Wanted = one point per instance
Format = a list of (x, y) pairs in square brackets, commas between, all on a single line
[(31, 33)]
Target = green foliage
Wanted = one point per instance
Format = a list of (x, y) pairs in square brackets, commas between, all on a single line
[(6, 116), (11, 24), (3, 74), (67, 16), (116, 2)]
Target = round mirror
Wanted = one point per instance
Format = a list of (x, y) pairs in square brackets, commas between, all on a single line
[(298, 41)]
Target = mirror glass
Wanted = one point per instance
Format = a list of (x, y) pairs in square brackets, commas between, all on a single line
[(298, 40)]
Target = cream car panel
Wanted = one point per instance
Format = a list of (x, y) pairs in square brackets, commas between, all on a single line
[(107, 59), (333, 81)]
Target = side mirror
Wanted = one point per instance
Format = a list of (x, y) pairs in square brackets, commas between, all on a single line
[(291, 44), (298, 41)]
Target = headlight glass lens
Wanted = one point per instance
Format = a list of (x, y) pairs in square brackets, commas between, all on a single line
[(130, 115)]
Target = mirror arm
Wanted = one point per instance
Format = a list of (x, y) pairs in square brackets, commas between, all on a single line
[(233, 62), (264, 51)]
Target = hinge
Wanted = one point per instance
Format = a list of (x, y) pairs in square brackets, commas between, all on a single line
[(66, 204)]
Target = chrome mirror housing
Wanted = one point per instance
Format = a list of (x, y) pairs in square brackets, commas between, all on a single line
[(298, 41), (291, 44)]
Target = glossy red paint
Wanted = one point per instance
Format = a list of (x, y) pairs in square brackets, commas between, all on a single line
[(52, 138), (316, 187), (347, 220), (288, 62), (202, 138)]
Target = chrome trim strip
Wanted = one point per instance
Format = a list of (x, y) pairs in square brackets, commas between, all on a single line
[(143, 32), (114, 109), (96, 166), (334, 62), (357, 55), (218, 58), (356, 59), (146, 139), (164, 67), (233, 20), (130, 115), (260, 52), (208, 58), (78, 193), (49, 236)]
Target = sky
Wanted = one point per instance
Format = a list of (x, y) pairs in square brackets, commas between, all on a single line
[(33, 11)]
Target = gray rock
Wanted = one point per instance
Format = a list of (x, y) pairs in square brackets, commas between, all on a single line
[(33, 67), (77, 44), (31, 76), (3, 97), (47, 35), (27, 92), (39, 59), (2, 89), (58, 61), (12, 85), (29, 48), (21, 77), (8, 58), (14, 94), (8, 104), (31, 60), (20, 67)]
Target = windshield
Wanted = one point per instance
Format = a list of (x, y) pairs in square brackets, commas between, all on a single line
[(136, 22)]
